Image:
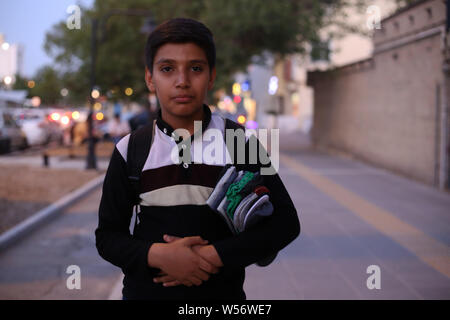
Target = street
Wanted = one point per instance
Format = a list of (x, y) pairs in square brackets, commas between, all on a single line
[(352, 216)]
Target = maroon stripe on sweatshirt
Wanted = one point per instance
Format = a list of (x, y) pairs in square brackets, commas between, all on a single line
[(196, 174)]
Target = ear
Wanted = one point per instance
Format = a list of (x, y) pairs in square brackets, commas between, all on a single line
[(149, 80), (212, 77)]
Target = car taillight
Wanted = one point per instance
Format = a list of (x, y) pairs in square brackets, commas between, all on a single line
[(55, 116), (65, 120)]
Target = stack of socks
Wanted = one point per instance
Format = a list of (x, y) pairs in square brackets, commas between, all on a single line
[(242, 201)]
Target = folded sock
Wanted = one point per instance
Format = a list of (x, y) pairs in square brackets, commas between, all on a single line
[(221, 188), (222, 209), (261, 208), (257, 180), (241, 210), (233, 192)]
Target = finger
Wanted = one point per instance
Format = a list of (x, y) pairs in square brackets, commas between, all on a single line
[(195, 281), (208, 267), (191, 241), (187, 283), (171, 283), (169, 238), (202, 275), (163, 279)]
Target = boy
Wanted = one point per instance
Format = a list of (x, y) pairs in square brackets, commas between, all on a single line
[(180, 248)]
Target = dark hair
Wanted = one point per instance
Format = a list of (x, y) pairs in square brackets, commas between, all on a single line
[(180, 30)]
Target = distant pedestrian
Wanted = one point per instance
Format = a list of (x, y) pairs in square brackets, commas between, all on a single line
[(117, 128)]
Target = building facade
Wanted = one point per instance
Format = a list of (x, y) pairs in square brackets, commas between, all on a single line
[(11, 57), (391, 108)]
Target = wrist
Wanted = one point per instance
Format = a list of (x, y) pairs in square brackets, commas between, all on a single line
[(154, 255)]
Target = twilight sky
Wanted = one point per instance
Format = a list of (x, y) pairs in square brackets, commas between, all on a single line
[(27, 21)]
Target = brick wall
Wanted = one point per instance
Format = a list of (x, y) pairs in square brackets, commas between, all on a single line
[(383, 109)]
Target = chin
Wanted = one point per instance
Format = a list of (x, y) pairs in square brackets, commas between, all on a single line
[(185, 110)]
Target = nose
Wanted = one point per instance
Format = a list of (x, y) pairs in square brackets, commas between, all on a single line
[(182, 80)]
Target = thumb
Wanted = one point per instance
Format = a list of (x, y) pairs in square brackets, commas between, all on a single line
[(191, 241), (169, 238)]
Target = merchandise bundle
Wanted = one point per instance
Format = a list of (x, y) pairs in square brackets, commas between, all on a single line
[(242, 200)]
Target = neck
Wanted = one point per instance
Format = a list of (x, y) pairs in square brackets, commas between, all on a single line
[(177, 122)]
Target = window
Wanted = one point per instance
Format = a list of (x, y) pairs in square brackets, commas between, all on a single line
[(320, 51), (396, 26)]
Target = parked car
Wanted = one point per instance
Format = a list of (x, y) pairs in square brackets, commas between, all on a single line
[(11, 135), (35, 125)]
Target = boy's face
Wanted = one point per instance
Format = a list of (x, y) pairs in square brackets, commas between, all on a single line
[(181, 78)]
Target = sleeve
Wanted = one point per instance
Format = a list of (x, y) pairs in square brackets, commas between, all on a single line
[(113, 239), (268, 236)]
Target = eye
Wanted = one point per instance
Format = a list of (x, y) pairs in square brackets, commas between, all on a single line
[(166, 69), (197, 69)]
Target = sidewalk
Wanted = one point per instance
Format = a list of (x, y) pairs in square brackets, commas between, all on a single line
[(35, 267), (353, 216)]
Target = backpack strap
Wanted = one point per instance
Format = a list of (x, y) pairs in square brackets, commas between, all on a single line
[(138, 150), (229, 124)]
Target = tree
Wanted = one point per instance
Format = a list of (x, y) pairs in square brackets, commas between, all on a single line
[(242, 29), (47, 86)]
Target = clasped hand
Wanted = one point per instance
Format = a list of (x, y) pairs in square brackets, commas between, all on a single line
[(187, 261)]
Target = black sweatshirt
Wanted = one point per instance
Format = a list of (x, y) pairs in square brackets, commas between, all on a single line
[(173, 201)]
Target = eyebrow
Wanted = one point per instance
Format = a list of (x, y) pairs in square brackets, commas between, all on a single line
[(163, 60)]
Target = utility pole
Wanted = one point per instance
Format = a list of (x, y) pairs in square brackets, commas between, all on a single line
[(91, 159)]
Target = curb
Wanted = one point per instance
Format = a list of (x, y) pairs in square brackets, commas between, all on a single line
[(26, 226)]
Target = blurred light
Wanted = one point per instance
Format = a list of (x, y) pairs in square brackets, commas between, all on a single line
[(227, 100), (245, 86), (55, 116), (65, 120), (31, 84), (75, 115), (64, 92), (237, 99), (128, 91), (251, 124), (273, 85), (97, 106), (241, 119), (95, 94), (99, 116), (250, 107), (35, 101), (7, 80), (229, 105), (5, 46), (236, 89)]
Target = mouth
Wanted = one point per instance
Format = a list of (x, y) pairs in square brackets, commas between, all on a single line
[(183, 98)]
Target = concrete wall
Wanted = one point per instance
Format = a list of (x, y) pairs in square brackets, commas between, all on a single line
[(383, 109)]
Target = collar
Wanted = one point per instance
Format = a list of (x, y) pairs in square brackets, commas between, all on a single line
[(169, 131)]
